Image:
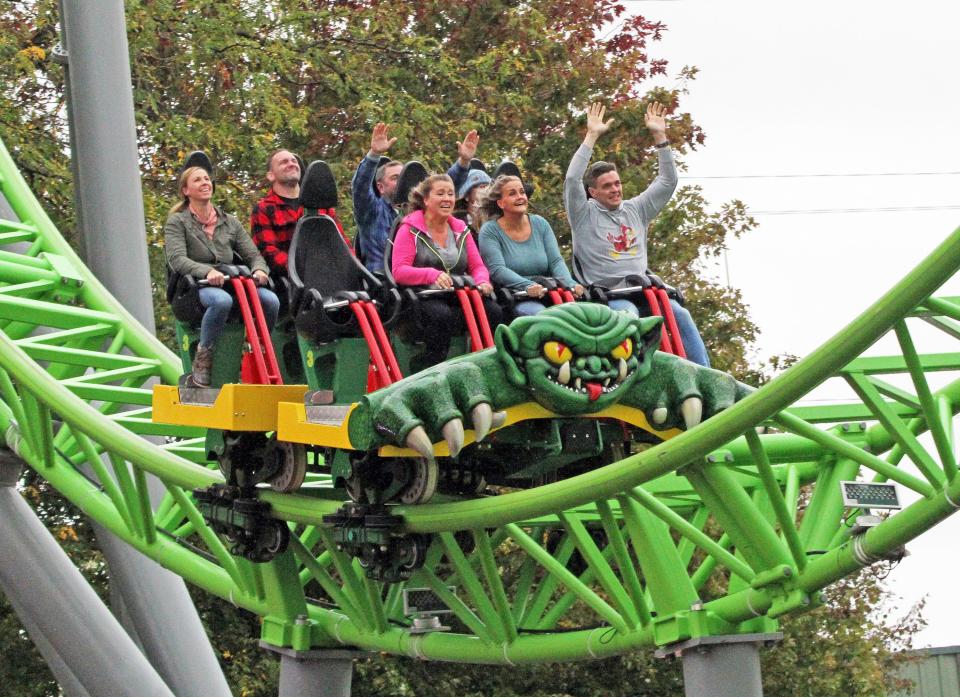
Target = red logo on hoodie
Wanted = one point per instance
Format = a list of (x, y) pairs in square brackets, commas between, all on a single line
[(623, 242)]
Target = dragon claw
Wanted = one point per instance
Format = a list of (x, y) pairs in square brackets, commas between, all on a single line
[(660, 415), (692, 410), (418, 440), (482, 416), (453, 434)]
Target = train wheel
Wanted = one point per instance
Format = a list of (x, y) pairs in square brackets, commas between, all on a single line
[(273, 538), (293, 467), (422, 481)]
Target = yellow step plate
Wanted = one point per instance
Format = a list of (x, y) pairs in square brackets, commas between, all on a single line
[(324, 425), (231, 407)]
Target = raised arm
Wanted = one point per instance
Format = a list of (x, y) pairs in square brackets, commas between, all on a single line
[(466, 151), (574, 196), (364, 195), (655, 197)]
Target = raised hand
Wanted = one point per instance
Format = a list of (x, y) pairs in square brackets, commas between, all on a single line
[(655, 122), (380, 142), (595, 122), (467, 149)]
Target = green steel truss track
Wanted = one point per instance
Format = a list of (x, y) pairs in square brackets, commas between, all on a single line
[(720, 530)]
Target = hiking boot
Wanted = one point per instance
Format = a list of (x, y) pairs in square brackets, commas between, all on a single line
[(202, 365)]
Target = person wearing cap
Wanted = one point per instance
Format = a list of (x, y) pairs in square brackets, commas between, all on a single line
[(517, 247), (610, 233), (375, 183), (469, 196)]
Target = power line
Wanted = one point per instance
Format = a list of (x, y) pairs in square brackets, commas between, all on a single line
[(822, 175), (891, 209)]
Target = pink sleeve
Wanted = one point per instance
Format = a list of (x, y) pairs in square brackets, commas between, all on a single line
[(475, 266), (404, 252)]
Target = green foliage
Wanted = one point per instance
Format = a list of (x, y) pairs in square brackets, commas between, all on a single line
[(854, 646), (241, 79)]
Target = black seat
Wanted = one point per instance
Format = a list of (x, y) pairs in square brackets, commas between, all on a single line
[(183, 293), (319, 188), (510, 169), (630, 286), (412, 174), (325, 277)]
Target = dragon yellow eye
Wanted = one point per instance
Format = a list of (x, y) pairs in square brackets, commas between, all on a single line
[(557, 353), (624, 350)]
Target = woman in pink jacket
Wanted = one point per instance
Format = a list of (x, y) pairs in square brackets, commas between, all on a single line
[(430, 247)]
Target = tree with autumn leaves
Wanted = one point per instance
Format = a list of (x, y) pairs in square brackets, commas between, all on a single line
[(241, 79)]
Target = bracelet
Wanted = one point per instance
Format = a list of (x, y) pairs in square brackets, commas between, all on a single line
[(664, 144)]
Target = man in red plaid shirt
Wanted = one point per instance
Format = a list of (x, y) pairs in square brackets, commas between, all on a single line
[(275, 216)]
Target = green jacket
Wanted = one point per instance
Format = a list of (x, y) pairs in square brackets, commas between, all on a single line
[(191, 253)]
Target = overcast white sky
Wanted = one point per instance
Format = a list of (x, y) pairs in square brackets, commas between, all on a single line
[(829, 88)]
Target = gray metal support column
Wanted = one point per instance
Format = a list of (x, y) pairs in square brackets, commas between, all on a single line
[(70, 686), (721, 666), (320, 673), (105, 154), (43, 585), (105, 159)]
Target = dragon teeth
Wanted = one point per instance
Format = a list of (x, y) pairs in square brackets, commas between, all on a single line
[(623, 370), (606, 382), (576, 384), (563, 377)]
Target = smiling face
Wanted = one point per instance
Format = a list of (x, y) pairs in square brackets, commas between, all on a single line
[(513, 199), (284, 169), (577, 358), (439, 200), (197, 185), (608, 190)]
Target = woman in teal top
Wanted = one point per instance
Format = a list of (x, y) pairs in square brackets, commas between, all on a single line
[(516, 246)]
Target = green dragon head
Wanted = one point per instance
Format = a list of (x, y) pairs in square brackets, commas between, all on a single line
[(577, 358)]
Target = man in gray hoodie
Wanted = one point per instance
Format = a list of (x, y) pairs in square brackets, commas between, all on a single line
[(610, 233)]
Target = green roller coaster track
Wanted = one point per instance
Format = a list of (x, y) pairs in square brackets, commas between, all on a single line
[(718, 531)]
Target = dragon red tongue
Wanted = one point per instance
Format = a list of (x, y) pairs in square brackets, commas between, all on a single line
[(593, 390)]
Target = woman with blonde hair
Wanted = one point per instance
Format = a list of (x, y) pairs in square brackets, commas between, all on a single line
[(518, 247), (197, 237), (430, 247)]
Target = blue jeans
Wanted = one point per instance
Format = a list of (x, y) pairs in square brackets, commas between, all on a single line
[(525, 308), (689, 334), (219, 303)]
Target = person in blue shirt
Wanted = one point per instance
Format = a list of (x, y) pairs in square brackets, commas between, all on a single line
[(517, 246), (375, 184)]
